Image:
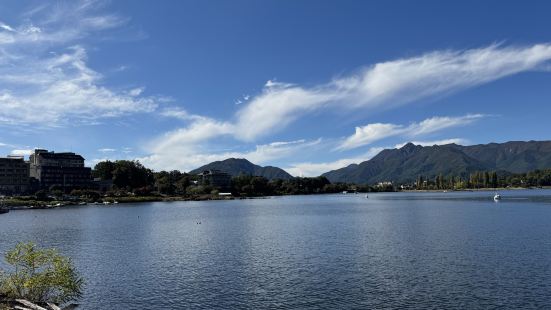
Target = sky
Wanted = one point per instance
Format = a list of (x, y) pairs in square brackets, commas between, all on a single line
[(308, 86)]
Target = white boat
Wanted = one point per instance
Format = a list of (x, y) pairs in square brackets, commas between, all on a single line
[(497, 197), (366, 196)]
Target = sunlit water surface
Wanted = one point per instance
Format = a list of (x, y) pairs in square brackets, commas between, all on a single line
[(399, 250)]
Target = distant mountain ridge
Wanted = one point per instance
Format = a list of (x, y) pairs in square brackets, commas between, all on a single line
[(238, 166), (407, 163)]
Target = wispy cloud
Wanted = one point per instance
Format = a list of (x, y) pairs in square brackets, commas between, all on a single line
[(192, 155), (390, 83), (6, 27), (43, 69), (374, 132), (387, 84), (179, 113), (312, 169), (107, 150)]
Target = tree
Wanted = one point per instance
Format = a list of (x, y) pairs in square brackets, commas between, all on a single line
[(104, 170), (420, 182), (40, 275)]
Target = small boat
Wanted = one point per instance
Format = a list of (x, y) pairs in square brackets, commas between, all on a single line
[(4, 210), (497, 197), (366, 196)]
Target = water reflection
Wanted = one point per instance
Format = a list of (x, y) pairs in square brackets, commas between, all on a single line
[(401, 250)]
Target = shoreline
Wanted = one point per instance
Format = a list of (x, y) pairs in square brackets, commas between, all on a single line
[(108, 201), (485, 189)]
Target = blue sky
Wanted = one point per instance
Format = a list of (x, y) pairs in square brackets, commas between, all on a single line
[(308, 86)]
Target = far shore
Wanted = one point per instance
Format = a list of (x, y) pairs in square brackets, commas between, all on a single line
[(19, 204), (485, 189)]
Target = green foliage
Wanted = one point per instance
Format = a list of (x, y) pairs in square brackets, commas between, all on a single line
[(199, 189), (237, 166), (405, 164), (250, 186), (488, 179), (41, 195), (173, 182), (57, 193), (104, 170), (126, 174), (40, 275)]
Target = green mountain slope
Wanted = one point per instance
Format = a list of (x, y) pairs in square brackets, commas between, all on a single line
[(407, 163), (238, 166)]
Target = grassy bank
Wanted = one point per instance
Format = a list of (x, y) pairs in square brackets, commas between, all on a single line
[(29, 203)]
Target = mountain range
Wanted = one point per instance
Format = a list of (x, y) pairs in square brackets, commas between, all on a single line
[(239, 166), (408, 162), (405, 164)]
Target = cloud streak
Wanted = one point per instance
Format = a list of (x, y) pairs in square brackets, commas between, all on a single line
[(387, 84), (371, 133), (390, 83), (313, 169), (191, 155), (43, 70)]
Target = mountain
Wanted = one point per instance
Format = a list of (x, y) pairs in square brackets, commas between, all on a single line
[(407, 163), (237, 166)]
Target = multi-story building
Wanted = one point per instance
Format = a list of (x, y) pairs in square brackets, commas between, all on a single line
[(14, 175), (64, 170), (216, 178)]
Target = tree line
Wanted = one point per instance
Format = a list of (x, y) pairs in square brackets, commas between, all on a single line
[(131, 176), (485, 179)]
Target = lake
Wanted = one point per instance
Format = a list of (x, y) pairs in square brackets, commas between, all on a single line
[(457, 250)]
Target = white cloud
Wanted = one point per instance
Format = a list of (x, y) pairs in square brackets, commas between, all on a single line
[(107, 150), (373, 132), (21, 152), (310, 169), (180, 113), (391, 83), (6, 27), (189, 156), (42, 71)]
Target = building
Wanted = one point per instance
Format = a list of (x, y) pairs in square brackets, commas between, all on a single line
[(216, 178), (14, 175), (102, 185), (64, 170)]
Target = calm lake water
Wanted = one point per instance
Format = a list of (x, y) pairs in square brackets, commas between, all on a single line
[(400, 250)]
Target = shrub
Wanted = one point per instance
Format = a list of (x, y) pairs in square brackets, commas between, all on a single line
[(40, 275)]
